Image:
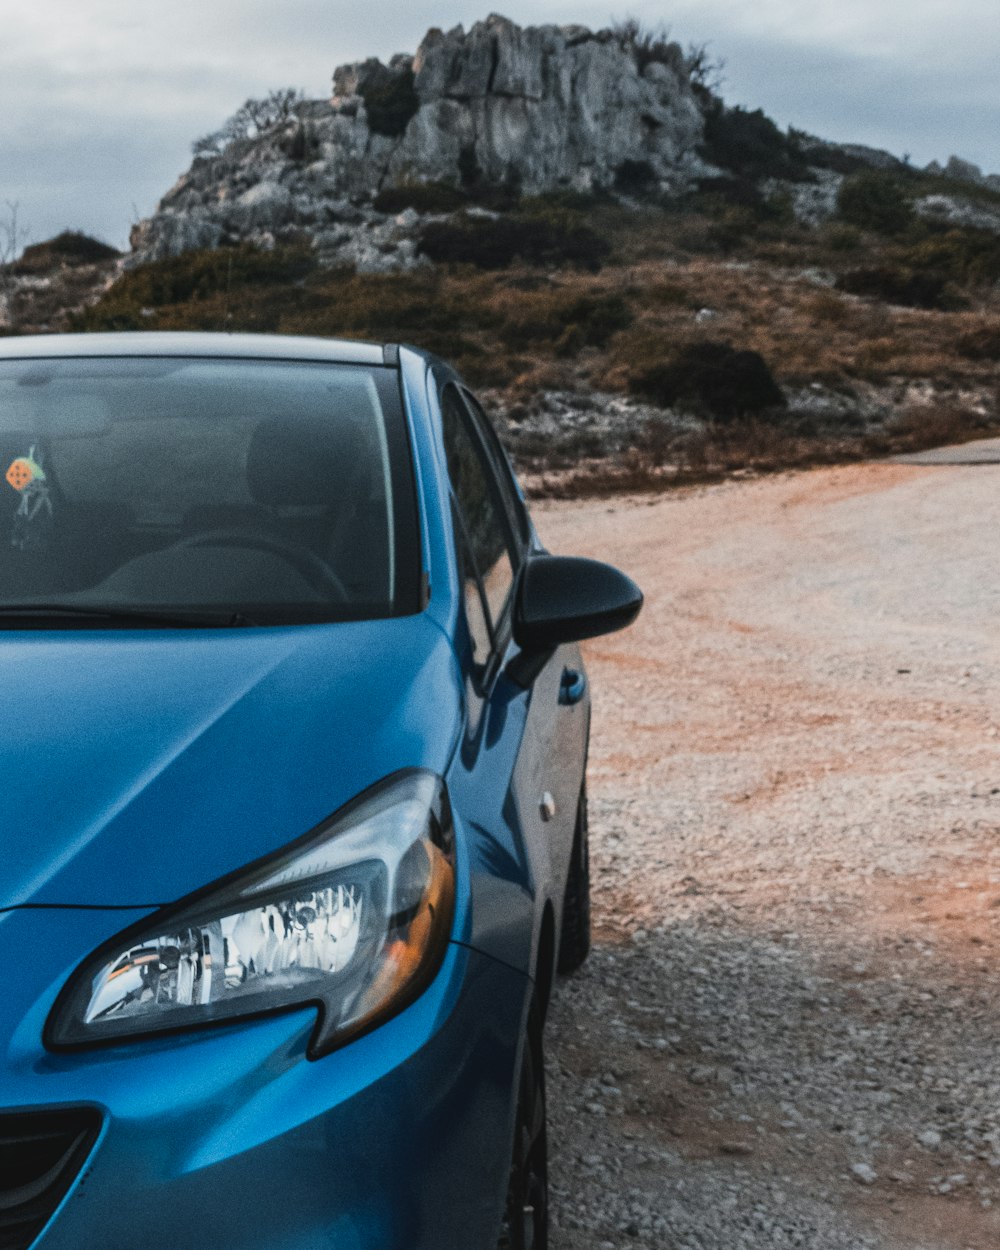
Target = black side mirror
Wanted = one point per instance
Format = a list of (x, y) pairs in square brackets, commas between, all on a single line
[(565, 599)]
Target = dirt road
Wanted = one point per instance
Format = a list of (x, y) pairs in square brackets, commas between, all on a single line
[(789, 1031)]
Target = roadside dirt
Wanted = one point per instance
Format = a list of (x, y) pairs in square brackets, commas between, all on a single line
[(789, 1031)]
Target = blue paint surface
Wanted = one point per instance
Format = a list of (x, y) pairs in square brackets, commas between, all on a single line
[(139, 766)]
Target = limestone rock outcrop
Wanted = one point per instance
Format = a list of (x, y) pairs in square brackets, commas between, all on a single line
[(537, 108)]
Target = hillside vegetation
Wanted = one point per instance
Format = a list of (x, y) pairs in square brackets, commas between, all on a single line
[(629, 339)]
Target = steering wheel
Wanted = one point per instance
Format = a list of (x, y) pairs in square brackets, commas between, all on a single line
[(315, 571)]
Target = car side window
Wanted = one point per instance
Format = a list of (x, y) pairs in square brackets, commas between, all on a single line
[(513, 500), (489, 552), (473, 597)]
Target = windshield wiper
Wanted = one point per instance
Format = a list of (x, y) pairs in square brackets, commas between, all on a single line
[(114, 615)]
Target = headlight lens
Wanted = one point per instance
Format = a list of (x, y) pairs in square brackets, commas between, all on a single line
[(354, 917)]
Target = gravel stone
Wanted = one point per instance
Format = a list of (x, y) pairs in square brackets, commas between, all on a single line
[(803, 1044)]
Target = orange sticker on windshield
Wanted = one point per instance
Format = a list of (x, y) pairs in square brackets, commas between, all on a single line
[(25, 470), (21, 473)]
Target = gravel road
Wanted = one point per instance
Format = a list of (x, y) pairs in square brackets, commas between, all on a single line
[(787, 1034)]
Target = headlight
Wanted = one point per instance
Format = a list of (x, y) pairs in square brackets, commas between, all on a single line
[(354, 918)]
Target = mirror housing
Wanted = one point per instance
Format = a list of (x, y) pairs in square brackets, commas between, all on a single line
[(567, 598)]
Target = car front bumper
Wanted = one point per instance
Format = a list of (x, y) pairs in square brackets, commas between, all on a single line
[(230, 1138)]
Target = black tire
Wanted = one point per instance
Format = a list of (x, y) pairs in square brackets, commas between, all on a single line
[(574, 943), (526, 1217)]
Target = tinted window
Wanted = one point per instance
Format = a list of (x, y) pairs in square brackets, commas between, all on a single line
[(511, 496), (279, 491), (480, 634), (475, 487)]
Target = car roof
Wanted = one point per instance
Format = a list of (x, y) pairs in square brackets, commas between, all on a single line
[(181, 343)]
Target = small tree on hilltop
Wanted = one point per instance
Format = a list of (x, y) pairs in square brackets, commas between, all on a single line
[(252, 118), (648, 43), (12, 238), (706, 72)]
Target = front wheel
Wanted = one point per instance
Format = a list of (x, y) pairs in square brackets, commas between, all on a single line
[(526, 1217)]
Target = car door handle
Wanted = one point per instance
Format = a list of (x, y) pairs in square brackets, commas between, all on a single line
[(572, 687)]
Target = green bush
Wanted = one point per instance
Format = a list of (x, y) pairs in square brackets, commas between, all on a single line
[(751, 145), (823, 157), (500, 196), (425, 197), (545, 239), (390, 102), (193, 277), (897, 284), (68, 248), (711, 378), (730, 191), (635, 178), (731, 229), (565, 199), (842, 237), (963, 256), (877, 201)]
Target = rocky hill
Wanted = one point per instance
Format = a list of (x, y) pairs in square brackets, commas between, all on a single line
[(497, 106), (650, 286)]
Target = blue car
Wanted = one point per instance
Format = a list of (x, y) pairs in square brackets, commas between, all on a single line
[(294, 734)]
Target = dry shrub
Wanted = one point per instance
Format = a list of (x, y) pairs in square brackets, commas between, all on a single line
[(873, 354), (550, 239), (484, 368), (981, 343), (657, 441), (750, 144), (533, 378), (730, 229), (843, 238), (712, 378), (692, 452), (895, 284), (669, 294), (921, 426), (424, 197), (710, 454), (565, 321), (875, 322), (201, 282), (827, 308), (70, 249), (511, 328), (876, 200), (48, 307), (965, 257)]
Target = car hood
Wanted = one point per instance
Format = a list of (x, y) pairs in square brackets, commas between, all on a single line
[(138, 766)]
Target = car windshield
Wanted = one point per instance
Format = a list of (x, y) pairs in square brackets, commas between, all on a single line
[(203, 491)]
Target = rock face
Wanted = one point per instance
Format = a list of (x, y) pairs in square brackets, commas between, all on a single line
[(537, 108), (950, 210)]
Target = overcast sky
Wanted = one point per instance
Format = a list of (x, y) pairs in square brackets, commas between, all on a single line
[(101, 100)]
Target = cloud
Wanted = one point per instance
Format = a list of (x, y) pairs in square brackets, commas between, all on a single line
[(102, 101), (924, 111)]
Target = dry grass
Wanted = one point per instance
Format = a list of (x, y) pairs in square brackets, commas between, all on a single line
[(512, 329), (747, 449), (678, 277)]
